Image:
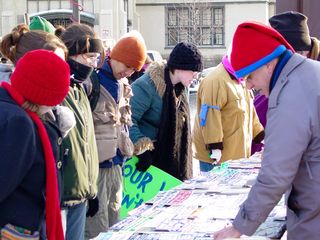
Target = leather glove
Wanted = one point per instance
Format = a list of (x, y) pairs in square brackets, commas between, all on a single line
[(93, 207), (145, 160)]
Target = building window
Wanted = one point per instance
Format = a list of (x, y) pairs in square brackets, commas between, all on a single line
[(59, 12), (172, 18), (34, 6), (172, 37), (202, 25)]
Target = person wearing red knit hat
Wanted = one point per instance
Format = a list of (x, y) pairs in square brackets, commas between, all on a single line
[(27, 164), (292, 141), (58, 120), (293, 26)]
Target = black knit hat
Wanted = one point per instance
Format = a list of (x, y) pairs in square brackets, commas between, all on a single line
[(293, 27), (185, 56)]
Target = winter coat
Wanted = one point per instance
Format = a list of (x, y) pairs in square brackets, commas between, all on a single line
[(55, 137), (147, 107), (111, 122), (5, 71), (22, 168), (81, 165), (233, 125), (291, 155)]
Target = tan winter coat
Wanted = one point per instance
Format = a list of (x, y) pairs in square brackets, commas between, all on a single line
[(110, 120), (233, 126)]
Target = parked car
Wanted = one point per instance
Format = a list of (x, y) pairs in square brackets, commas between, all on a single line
[(205, 72), (154, 55), (196, 82), (193, 88)]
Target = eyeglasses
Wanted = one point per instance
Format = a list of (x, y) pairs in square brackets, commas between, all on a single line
[(91, 58), (196, 75)]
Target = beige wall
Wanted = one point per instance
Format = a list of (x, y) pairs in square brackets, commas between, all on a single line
[(148, 17), (112, 19), (233, 16), (10, 12), (152, 26), (152, 23)]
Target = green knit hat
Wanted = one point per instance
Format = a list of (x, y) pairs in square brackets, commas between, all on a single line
[(40, 23)]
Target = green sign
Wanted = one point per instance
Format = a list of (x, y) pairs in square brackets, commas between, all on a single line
[(139, 187)]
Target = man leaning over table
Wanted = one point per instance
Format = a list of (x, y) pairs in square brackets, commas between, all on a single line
[(292, 142)]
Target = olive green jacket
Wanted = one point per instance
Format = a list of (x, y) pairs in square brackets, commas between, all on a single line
[(81, 162)]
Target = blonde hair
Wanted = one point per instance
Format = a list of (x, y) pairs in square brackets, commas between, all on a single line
[(30, 106)]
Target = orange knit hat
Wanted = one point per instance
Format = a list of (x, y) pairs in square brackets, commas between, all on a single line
[(131, 51)]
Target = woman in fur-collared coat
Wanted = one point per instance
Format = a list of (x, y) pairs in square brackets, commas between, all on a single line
[(160, 113)]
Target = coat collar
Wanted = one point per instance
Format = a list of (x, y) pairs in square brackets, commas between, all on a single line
[(156, 73), (292, 64), (5, 97)]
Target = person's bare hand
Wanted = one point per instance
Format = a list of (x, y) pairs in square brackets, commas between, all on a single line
[(227, 232)]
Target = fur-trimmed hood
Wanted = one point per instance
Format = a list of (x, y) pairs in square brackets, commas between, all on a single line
[(156, 73)]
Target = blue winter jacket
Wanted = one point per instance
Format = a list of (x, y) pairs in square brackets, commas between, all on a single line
[(146, 106)]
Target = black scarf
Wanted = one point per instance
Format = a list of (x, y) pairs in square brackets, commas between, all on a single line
[(173, 148), (80, 71)]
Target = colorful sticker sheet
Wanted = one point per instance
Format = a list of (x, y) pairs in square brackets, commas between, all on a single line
[(198, 207)]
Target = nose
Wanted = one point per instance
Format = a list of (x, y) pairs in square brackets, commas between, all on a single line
[(94, 64), (129, 71), (249, 85)]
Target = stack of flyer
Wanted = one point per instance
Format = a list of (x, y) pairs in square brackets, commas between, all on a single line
[(197, 208)]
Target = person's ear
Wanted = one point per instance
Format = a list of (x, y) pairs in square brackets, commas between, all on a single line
[(272, 65)]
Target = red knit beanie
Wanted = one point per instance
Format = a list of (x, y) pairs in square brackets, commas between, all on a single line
[(41, 77), (131, 51), (38, 73), (254, 45)]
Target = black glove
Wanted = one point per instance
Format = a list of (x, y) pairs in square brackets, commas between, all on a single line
[(93, 207), (145, 160)]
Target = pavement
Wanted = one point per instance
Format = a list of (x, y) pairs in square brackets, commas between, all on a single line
[(192, 102)]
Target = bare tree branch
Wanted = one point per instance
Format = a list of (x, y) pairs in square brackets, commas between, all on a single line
[(196, 22)]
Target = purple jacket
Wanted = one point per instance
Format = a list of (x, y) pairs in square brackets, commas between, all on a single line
[(261, 105)]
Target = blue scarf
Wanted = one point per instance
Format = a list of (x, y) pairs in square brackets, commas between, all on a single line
[(283, 59), (108, 81)]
